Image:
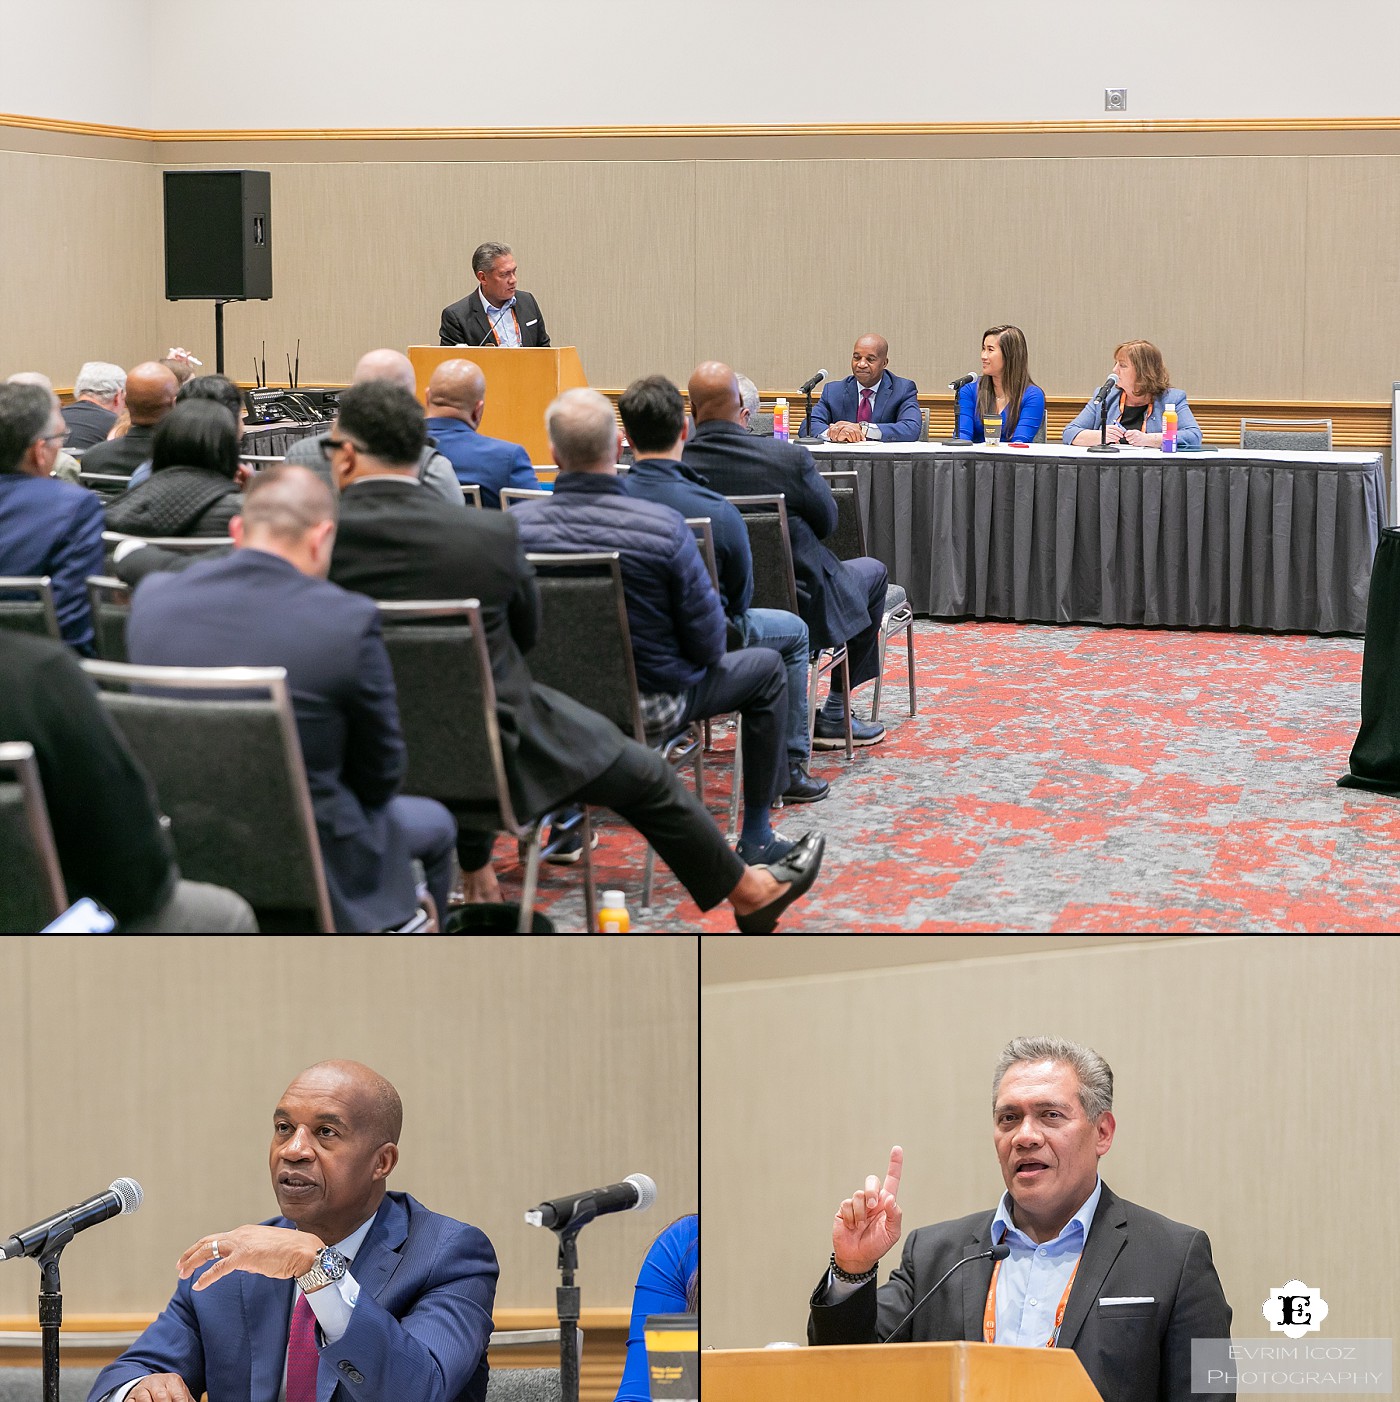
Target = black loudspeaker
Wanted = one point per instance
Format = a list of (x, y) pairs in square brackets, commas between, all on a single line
[(218, 235)]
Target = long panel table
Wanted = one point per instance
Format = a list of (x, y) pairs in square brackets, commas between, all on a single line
[(1227, 539)]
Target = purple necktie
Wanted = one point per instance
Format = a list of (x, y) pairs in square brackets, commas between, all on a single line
[(863, 416), (302, 1355)]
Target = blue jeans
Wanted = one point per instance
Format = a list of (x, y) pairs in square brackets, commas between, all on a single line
[(786, 634)]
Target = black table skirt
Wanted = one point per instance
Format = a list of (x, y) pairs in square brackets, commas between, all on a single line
[(1228, 540)]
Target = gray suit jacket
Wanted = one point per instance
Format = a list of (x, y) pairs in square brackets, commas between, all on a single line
[(1132, 1353)]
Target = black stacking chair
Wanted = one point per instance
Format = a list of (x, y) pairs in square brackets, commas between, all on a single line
[(221, 747), (447, 709), (32, 892), (847, 542), (27, 1384), (521, 1385), (471, 494), (775, 587), (33, 614), (108, 486), (1287, 435), (110, 600), (512, 496), (584, 649)]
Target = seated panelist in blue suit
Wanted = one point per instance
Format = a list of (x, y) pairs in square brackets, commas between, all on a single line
[(1004, 390), (456, 400), (870, 402), (1134, 406), (353, 1292)]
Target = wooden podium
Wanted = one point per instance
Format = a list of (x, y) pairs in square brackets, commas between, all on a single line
[(961, 1372), (519, 385)]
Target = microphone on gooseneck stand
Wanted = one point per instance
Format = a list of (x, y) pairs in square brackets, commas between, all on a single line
[(806, 388), (997, 1253), (491, 327), (1101, 400), (957, 386)]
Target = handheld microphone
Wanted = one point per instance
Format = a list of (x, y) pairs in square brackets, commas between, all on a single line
[(961, 382), (635, 1193), (811, 384), (997, 1253), (123, 1196), (1103, 390)]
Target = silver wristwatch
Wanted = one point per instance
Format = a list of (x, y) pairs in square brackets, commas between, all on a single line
[(330, 1265)]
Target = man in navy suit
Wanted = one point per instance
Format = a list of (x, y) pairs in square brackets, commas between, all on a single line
[(870, 402), (353, 1292), (46, 526), (495, 314), (269, 604), (456, 402)]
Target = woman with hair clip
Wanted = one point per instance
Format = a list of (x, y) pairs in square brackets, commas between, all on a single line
[(1004, 389), (1134, 406), (669, 1283)]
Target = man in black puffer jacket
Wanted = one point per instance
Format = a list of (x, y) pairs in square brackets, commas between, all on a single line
[(673, 610)]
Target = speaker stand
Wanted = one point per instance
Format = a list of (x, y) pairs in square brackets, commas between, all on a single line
[(219, 304)]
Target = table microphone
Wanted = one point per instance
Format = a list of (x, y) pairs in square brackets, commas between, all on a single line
[(635, 1193), (997, 1253), (123, 1196), (491, 327), (1100, 396), (810, 385), (959, 384)]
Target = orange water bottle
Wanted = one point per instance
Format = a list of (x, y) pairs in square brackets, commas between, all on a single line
[(612, 915), (780, 423), (1169, 417)]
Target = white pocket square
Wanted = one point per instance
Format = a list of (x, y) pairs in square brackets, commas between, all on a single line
[(1128, 1300), (535, 322)]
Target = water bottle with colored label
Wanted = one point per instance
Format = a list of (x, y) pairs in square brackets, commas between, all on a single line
[(1169, 417), (780, 423), (612, 915)]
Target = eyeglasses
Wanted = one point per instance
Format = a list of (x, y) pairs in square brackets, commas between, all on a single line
[(329, 445)]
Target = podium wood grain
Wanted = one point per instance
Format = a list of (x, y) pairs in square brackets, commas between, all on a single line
[(954, 1372)]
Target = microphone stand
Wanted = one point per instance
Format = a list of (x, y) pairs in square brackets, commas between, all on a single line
[(1103, 445), (808, 437), (51, 1305), (566, 1298)]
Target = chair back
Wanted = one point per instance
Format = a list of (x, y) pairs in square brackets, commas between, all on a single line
[(28, 615), (584, 647), (847, 541), (447, 707), (524, 1385), (923, 432), (704, 532), (511, 496), (761, 424), (110, 600), (108, 486), (27, 1384), (220, 745), (774, 583), (1287, 435), (32, 892), (193, 544), (471, 494), (1040, 432)]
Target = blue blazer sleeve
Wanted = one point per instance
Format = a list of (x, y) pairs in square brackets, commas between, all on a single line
[(1188, 431), (908, 425), (1031, 417), (172, 1344), (733, 558), (822, 410), (695, 606), (375, 758), (968, 425), (522, 474), (79, 555), (1087, 418)]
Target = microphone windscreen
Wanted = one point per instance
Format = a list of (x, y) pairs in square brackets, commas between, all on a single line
[(129, 1191), (646, 1190), (1000, 1251)]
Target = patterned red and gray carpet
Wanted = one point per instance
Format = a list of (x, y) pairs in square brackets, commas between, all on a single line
[(1064, 779)]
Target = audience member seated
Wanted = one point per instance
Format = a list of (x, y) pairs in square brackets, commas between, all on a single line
[(150, 396), (1004, 390), (456, 402), (65, 466), (105, 818), (269, 604), (673, 610), (842, 601), (434, 470), (870, 402), (181, 364), (669, 1283), (654, 418), (1135, 405), (98, 396), (46, 527), (193, 487), (221, 390), (396, 542)]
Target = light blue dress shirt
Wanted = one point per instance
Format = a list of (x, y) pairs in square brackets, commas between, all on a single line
[(1033, 1278), (503, 320)]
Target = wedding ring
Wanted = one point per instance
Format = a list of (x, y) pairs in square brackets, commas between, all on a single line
[(214, 1249)]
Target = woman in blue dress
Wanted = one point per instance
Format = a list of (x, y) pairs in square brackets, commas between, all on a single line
[(1004, 388)]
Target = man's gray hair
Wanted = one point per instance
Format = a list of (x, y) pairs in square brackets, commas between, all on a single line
[(484, 259), (582, 428), (1095, 1075), (101, 378), (748, 394)]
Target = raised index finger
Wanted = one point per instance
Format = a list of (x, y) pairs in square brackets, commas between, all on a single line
[(895, 1169)]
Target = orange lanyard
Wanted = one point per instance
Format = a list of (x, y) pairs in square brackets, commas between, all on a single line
[(496, 328), (989, 1313)]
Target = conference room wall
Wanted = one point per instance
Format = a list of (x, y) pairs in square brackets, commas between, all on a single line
[(1255, 1085), (527, 1067)]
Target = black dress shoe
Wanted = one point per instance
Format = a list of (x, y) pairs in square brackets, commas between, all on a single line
[(800, 867), (802, 788)]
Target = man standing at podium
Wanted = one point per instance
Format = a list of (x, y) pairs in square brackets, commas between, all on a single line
[(495, 314), (1075, 1265)]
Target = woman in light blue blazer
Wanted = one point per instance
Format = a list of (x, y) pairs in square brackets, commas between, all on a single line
[(1135, 404), (1005, 388)]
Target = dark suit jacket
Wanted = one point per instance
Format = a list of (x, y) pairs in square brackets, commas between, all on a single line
[(120, 457), (103, 811), (1132, 1353), (419, 1330), (896, 407), (253, 609), (465, 323), (395, 542), (737, 463)]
